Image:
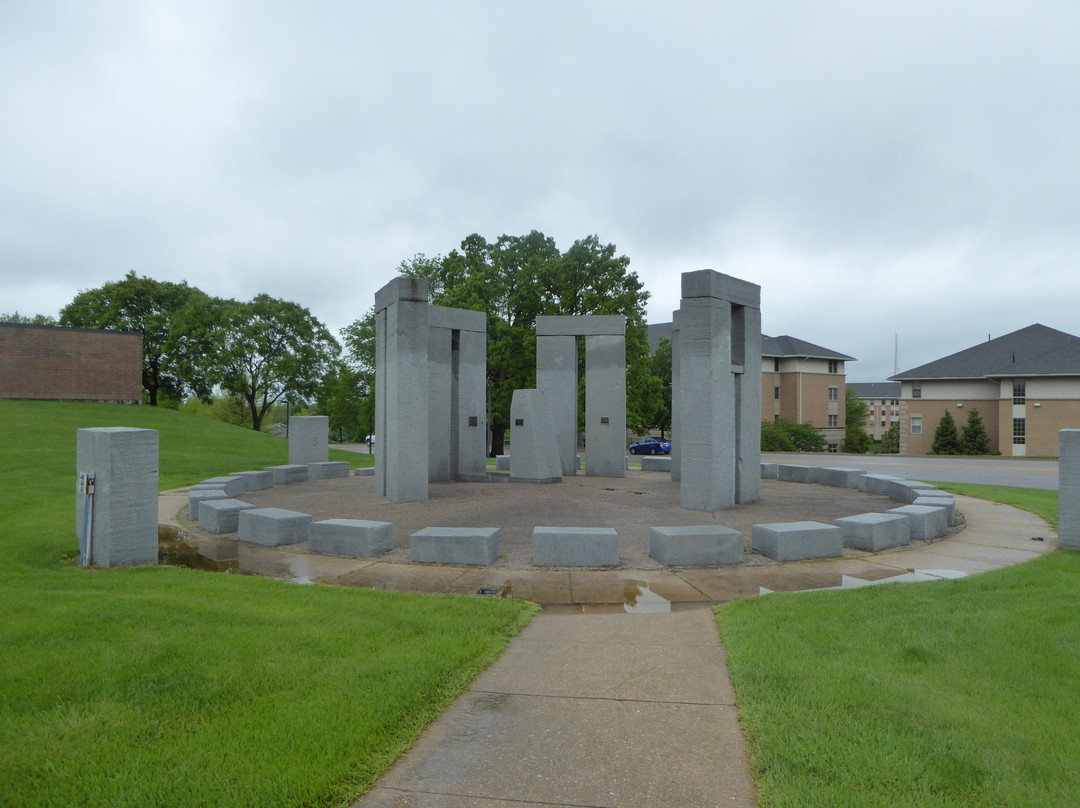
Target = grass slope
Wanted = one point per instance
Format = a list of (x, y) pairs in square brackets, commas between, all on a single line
[(165, 686)]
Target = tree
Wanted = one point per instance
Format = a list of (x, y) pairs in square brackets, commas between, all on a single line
[(945, 438), (660, 369), (342, 396), (149, 307), (517, 278), (784, 435), (973, 437), (260, 351), (856, 438), (37, 319), (890, 441)]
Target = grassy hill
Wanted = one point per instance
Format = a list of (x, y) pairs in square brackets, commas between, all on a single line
[(167, 686)]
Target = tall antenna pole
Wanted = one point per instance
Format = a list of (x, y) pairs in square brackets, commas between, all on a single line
[(896, 353)]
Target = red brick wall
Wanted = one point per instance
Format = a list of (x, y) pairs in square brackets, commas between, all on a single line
[(69, 364)]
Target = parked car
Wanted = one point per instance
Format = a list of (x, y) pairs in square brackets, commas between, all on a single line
[(651, 446)]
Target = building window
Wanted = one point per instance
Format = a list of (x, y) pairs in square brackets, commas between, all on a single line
[(834, 366), (1019, 431), (776, 393), (776, 365), (1019, 392), (916, 391), (834, 420), (834, 394), (916, 425), (883, 422)]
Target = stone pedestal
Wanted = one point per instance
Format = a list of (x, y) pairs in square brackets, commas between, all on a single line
[(309, 439), (534, 458), (120, 518)]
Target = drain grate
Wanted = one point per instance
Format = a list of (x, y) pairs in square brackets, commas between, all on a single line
[(489, 591)]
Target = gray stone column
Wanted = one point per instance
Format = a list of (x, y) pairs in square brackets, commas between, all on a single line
[(123, 509), (534, 458), (1069, 488), (676, 399), (457, 386), (556, 373), (747, 330), (309, 439), (605, 406), (401, 390)]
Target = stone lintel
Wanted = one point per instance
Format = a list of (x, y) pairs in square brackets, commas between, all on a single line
[(586, 325), (710, 283), (457, 319)]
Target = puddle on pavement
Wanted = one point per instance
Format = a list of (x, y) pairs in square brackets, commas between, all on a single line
[(639, 599), (175, 550)]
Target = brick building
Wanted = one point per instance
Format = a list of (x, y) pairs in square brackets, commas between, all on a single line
[(49, 363), (882, 400)]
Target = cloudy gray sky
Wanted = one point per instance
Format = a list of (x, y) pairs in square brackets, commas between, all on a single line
[(882, 170)]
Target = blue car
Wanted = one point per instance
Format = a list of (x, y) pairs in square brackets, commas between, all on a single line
[(651, 446)]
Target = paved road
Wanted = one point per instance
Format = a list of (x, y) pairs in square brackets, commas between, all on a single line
[(1015, 472)]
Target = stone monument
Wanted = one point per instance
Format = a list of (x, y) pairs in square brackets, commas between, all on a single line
[(1069, 488), (309, 439)]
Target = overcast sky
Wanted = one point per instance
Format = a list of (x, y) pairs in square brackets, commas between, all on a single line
[(905, 170)]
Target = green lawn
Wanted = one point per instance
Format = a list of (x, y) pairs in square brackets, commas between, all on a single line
[(953, 693), (166, 686)]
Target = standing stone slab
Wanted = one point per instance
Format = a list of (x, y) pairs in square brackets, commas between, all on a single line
[(605, 405), (696, 545), (221, 515), (457, 389), (874, 532), (309, 439), (534, 458), (273, 527), (122, 511), (455, 545), (575, 547), (1069, 488), (352, 538), (795, 541), (557, 375)]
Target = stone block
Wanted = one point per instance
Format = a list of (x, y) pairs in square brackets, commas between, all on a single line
[(874, 532), (795, 541), (533, 458), (926, 522), (123, 509), (649, 463), (946, 502), (353, 538), (368, 472), (255, 480), (197, 494), (696, 545), (841, 477), (309, 439), (455, 545), (232, 486), (331, 470), (582, 325), (557, 376), (272, 527), (502, 462), (794, 473), (710, 283), (875, 483), (575, 547), (221, 515), (769, 471), (288, 474), (907, 491), (605, 405)]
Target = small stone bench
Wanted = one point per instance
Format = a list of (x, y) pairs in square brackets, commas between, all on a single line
[(502, 462), (841, 477), (875, 483), (272, 527), (232, 486), (874, 532), (353, 538), (926, 522), (369, 472), (221, 515), (331, 470), (575, 547), (197, 494), (769, 471), (255, 480), (942, 500), (455, 545), (795, 541), (696, 545), (288, 474), (792, 473), (907, 491), (650, 463)]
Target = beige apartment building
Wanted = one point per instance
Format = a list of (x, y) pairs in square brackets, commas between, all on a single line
[(1025, 385), (882, 400)]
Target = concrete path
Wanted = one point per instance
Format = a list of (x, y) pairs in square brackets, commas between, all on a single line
[(595, 709)]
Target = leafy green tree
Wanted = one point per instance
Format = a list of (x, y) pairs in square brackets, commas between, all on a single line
[(261, 351), (660, 369), (974, 439), (785, 435), (890, 441), (342, 397), (946, 441), (856, 438), (37, 319), (149, 307)]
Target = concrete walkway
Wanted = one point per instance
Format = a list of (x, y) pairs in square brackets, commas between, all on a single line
[(608, 706)]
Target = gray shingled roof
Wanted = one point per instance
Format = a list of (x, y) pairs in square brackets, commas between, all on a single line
[(791, 346), (1033, 351), (876, 389)]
